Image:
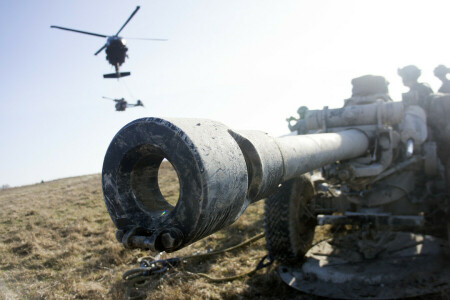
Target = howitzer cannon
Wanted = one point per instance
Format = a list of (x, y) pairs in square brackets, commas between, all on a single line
[(374, 164), (220, 172)]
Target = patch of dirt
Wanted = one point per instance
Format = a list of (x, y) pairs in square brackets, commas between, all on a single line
[(23, 250)]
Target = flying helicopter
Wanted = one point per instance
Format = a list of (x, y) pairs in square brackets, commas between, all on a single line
[(116, 50), (121, 104)]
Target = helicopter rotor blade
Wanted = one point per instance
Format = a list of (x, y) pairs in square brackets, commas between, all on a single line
[(108, 98), (132, 15), (147, 39), (79, 31), (100, 50)]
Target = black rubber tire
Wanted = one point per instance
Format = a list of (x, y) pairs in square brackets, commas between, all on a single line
[(448, 231), (447, 181), (289, 223)]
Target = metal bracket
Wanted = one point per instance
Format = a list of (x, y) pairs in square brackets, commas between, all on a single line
[(375, 219)]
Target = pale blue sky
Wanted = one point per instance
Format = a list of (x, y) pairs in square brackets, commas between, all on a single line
[(247, 63)]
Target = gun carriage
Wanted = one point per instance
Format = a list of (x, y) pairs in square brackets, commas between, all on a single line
[(374, 164)]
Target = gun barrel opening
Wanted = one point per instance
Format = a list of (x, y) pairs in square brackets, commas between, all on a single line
[(212, 182), (151, 192)]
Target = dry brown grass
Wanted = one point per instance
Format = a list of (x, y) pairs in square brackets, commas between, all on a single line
[(58, 242)]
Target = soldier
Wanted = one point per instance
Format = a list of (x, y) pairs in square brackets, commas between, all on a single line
[(418, 91), (441, 73)]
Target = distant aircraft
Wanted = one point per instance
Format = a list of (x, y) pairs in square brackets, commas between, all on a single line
[(116, 50), (121, 104)]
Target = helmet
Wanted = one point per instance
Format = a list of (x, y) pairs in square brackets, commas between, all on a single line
[(410, 72), (441, 71)]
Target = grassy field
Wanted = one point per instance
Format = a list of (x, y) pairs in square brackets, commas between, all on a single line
[(58, 242)]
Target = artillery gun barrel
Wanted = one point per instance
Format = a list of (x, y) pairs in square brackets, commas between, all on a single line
[(220, 172)]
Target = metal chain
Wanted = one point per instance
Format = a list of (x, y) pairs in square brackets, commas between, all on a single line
[(141, 276)]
